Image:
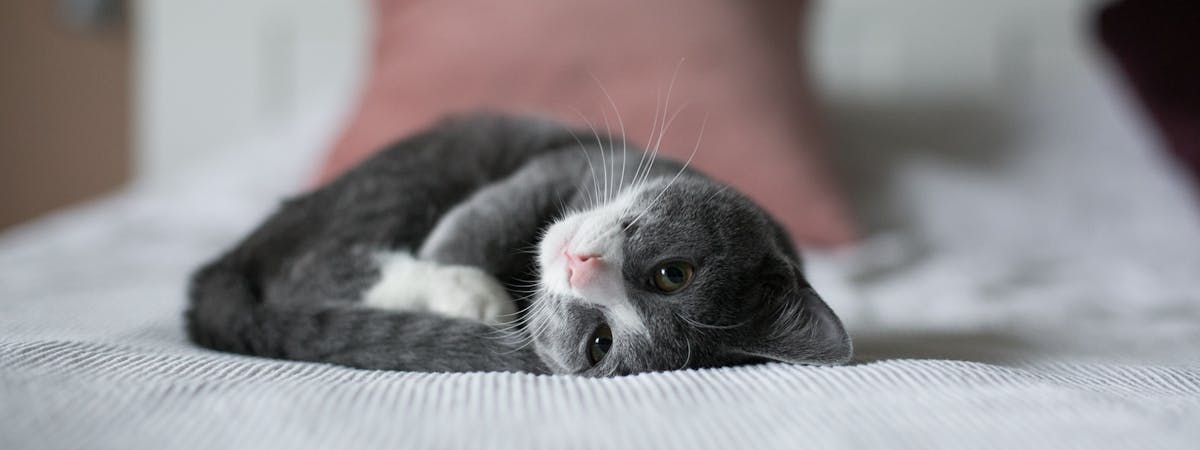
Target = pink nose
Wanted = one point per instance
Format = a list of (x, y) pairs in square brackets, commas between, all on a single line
[(581, 268)]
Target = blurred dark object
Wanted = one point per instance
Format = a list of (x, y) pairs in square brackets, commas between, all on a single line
[(1157, 44), (92, 15), (65, 122)]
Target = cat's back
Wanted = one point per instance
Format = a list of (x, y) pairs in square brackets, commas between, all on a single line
[(394, 198), (453, 158)]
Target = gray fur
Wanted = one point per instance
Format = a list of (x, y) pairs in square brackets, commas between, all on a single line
[(479, 190)]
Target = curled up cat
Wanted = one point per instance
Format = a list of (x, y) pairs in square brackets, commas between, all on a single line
[(499, 243)]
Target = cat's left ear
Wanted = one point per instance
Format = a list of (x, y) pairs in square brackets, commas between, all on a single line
[(796, 326)]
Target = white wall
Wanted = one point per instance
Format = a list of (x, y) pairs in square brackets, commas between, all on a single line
[(211, 73), (962, 48), (976, 85)]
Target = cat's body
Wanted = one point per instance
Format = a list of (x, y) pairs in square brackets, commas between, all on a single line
[(412, 260)]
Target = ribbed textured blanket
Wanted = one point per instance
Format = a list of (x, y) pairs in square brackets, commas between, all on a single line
[(78, 395)]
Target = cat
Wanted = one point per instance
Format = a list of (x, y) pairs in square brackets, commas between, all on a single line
[(501, 243)]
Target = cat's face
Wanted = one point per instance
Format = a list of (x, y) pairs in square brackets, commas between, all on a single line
[(674, 275)]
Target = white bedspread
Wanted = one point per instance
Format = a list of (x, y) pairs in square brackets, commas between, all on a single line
[(1051, 299)]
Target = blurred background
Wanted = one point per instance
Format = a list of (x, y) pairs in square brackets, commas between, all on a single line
[(98, 94), (101, 93)]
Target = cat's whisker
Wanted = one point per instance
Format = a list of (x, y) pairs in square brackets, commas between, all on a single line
[(558, 217), (656, 144), (695, 148), (608, 174), (666, 127), (603, 160), (704, 326), (662, 133), (620, 123), (521, 282), (717, 192), (639, 178), (515, 330), (591, 167), (524, 290), (542, 321), (518, 319), (524, 293), (646, 158), (531, 330), (602, 196), (510, 331), (522, 310), (510, 338), (521, 313), (688, 360), (534, 246), (562, 204), (526, 250), (653, 125), (507, 330)]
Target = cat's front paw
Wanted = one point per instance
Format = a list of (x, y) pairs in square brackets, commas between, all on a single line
[(461, 291), (455, 291)]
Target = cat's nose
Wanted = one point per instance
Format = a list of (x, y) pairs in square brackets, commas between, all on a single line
[(581, 268)]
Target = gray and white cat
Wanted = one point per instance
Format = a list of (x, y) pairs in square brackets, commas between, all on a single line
[(494, 243)]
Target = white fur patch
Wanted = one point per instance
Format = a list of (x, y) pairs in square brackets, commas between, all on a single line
[(594, 232), (406, 283)]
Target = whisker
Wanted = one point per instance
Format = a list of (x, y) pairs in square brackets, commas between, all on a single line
[(695, 148), (620, 123), (717, 192), (655, 151), (530, 331), (516, 328), (667, 102), (653, 127), (524, 283), (591, 168), (704, 326), (608, 169), (688, 360), (524, 289), (521, 311), (657, 143), (603, 161)]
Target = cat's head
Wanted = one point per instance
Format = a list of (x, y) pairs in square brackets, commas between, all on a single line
[(669, 275)]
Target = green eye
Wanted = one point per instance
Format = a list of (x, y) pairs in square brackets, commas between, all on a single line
[(673, 276), (600, 344)]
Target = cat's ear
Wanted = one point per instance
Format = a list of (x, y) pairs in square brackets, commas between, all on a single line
[(796, 326)]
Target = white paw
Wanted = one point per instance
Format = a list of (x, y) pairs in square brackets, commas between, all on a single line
[(462, 291), (455, 291)]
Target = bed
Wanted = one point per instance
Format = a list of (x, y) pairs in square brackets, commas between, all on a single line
[(1041, 291)]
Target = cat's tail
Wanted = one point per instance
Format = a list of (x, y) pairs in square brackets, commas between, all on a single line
[(227, 313)]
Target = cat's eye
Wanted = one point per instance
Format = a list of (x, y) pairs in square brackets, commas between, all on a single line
[(599, 344), (673, 276)]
